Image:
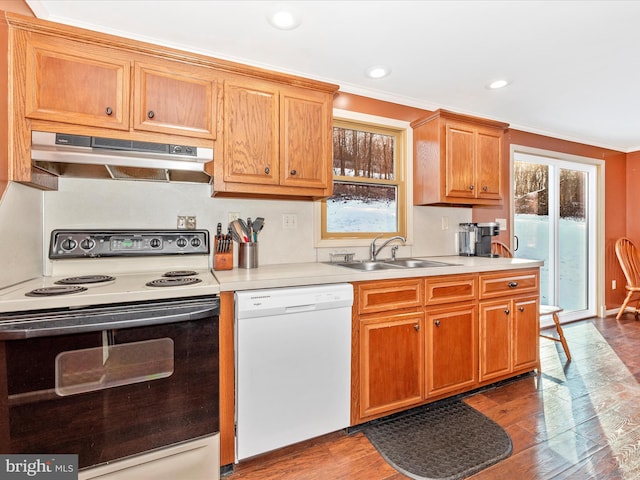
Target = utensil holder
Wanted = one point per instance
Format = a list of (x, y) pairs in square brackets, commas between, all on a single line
[(222, 260), (248, 255)]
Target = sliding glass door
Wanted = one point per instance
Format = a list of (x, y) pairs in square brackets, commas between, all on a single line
[(554, 208)]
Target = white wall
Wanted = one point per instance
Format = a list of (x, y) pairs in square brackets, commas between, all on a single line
[(20, 234), (85, 203)]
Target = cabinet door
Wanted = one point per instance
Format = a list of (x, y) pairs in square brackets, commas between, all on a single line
[(251, 132), (460, 159), (488, 168), (452, 349), (174, 98), (391, 363), (305, 138), (495, 339), (73, 82), (526, 332)]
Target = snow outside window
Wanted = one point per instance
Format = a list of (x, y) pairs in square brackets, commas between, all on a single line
[(369, 192)]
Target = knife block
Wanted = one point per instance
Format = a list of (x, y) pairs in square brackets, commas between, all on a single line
[(222, 260)]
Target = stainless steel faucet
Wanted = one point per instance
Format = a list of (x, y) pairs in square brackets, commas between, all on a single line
[(373, 251)]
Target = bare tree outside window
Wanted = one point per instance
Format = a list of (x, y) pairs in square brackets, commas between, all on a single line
[(366, 195)]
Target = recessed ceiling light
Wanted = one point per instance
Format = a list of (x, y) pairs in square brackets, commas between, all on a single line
[(498, 84), (284, 18), (378, 71)]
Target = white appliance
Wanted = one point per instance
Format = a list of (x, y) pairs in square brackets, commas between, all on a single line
[(293, 365), (121, 344)]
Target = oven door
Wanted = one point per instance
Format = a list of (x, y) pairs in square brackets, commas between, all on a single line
[(74, 386)]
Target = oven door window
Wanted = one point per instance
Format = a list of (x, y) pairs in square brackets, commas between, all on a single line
[(100, 421), (90, 369)]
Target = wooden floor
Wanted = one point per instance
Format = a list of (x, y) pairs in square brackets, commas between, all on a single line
[(577, 420)]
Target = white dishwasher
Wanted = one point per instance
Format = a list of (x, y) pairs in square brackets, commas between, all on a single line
[(293, 365)]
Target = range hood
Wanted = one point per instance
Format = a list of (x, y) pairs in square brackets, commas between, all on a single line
[(96, 157)]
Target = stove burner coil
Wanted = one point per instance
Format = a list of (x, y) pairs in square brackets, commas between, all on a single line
[(85, 279), (52, 291), (173, 282), (180, 273)]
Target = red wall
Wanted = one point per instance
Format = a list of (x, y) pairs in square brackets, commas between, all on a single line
[(16, 6), (618, 221)]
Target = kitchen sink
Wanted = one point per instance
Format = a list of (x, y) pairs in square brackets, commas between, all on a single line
[(369, 265), (417, 263)]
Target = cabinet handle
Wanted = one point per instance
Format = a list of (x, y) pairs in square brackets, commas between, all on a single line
[(521, 309), (416, 327), (267, 170), (507, 311), (512, 284), (108, 111), (485, 188), (437, 323), (293, 172), (471, 187), (150, 114)]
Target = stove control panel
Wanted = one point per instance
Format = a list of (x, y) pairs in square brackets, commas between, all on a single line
[(132, 243)]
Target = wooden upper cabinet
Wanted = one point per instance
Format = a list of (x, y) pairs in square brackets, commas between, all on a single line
[(457, 160), (174, 98), (305, 138), (277, 139), (251, 132), (76, 83), (82, 83), (489, 163)]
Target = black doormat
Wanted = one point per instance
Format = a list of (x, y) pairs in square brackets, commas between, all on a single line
[(446, 440)]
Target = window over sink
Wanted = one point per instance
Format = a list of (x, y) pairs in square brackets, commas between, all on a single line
[(370, 169)]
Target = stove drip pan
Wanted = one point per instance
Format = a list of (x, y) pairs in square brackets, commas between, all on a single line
[(85, 279), (173, 282), (180, 273), (53, 291)]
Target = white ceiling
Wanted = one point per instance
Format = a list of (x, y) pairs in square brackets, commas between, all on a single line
[(574, 65)]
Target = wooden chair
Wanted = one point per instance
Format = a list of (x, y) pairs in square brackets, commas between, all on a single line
[(545, 310), (629, 259), (501, 249)]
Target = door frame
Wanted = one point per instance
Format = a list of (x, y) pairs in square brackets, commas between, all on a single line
[(599, 274)]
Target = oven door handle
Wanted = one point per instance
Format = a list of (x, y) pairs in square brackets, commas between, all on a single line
[(105, 318)]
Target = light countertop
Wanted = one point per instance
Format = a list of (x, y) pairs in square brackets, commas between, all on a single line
[(297, 274)]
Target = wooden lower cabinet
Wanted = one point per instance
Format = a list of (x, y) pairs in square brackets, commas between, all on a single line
[(418, 340), (451, 349), (525, 336), (509, 337), (391, 362), (495, 339)]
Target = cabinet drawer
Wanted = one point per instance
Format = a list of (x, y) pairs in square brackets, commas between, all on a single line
[(509, 283), (450, 288), (387, 295)]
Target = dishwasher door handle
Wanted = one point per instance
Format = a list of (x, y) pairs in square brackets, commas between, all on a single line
[(300, 308)]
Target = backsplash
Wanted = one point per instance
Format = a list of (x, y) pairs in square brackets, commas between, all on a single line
[(21, 210), (86, 203)]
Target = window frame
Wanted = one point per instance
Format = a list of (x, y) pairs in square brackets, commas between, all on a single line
[(402, 164)]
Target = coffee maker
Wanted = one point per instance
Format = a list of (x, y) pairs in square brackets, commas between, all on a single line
[(484, 232), (467, 239), (475, 239)]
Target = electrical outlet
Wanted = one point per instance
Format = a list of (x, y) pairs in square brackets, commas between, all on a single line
[(445, 223), (187, 222), (614, 284), (231, 216), (502, 222), (289, 221)]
